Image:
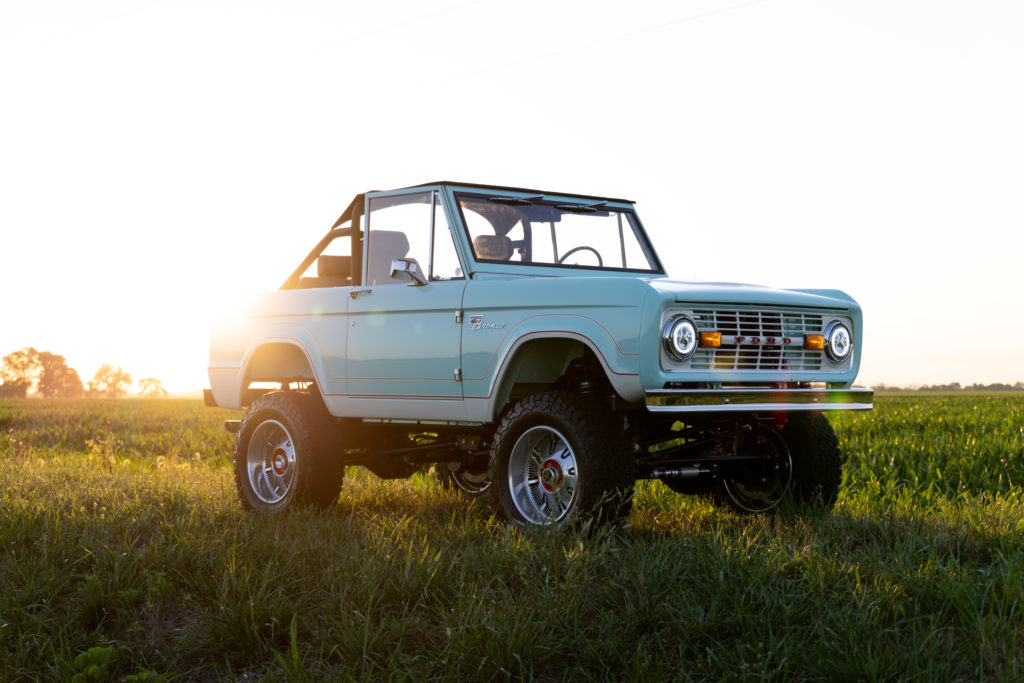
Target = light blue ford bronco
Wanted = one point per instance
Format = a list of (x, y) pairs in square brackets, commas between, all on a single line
[(531, 346)]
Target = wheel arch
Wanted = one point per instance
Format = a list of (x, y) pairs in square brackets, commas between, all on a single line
[(276, 360), (539, 360)]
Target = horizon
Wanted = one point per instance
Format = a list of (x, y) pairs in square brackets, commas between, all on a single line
[(163, 162)]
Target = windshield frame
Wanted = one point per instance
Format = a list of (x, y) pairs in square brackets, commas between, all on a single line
[(622, 208)]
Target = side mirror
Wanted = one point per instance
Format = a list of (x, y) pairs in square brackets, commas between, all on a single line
[(407, 269)]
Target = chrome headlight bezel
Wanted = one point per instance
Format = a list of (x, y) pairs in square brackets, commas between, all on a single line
[(680, 337), (838, 342)]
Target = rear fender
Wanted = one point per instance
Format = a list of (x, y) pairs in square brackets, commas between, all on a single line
[(273, 359), (281, 361)]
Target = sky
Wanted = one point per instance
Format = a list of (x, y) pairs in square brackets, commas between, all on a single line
[(159, 161)]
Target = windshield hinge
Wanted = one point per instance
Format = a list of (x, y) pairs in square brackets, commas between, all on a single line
[(458, 317)]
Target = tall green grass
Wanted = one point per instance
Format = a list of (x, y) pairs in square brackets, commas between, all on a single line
[(938, 447), (124, 555)]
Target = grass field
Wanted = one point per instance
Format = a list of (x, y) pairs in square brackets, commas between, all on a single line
[(125, 555)]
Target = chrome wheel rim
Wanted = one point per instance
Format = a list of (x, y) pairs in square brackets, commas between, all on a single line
[(543, 475), (270, 462), (470, 481), (766, 493)]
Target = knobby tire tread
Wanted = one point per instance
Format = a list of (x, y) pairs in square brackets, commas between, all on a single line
[(607, 491), (320, 472), (817, 461)]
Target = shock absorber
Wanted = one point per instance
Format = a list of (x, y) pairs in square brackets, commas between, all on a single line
[(679, 472)]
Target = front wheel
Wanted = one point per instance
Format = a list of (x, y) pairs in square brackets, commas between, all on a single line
[(557, 459), (283, 455), (799, 462), (817, 462)]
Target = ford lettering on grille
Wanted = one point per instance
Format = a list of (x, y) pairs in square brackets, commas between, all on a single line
[(758, 340)]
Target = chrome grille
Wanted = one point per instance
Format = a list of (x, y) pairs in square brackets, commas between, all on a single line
[(760, 325)]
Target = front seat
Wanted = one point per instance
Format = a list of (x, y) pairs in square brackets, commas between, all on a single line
[(492, 247), (385, 246)]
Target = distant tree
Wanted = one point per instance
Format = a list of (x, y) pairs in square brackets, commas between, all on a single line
[(20, 372), (14, 388), (953, 386), (56, 378), (151, 388), (110, 381)]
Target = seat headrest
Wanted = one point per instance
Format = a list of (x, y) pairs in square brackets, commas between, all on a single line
[(492, 247), (391, 244), (328, 265)]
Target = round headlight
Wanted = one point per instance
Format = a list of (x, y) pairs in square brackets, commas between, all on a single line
[(680, 337), (838, 342)]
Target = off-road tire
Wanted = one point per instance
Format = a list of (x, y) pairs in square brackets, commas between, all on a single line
[(807, 458), (602, 484), (817, 462), (291, 462)]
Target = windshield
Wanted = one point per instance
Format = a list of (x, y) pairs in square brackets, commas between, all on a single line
[(536, 231)]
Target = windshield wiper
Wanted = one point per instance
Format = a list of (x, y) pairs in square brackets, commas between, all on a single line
[(517, 201), (581, 208)]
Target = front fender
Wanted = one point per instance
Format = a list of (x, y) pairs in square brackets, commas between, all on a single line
[(487, 389)]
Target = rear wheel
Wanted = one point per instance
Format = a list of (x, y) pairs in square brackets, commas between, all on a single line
[(558, 459), (283, 455), (470, 479)]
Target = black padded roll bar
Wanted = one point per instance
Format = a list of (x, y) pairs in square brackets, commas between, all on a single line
[(353, 213)]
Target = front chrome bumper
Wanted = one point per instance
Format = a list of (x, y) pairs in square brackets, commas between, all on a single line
[(733, 400)]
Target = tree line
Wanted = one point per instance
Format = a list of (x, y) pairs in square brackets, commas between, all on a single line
[(29, 371), (955, 386)]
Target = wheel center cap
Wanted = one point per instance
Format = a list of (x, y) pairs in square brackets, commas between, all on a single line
[(550, 475), (280, 462)]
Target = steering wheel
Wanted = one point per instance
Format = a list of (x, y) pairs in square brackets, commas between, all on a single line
[(600, 262)]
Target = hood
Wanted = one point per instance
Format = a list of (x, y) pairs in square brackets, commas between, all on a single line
[(729, 293)]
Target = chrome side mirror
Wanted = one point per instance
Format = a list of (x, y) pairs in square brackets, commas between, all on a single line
[(407, 269)]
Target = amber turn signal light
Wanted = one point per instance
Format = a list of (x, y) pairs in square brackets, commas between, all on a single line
[(710, 339), (814, 342)]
